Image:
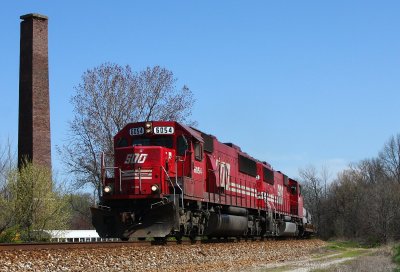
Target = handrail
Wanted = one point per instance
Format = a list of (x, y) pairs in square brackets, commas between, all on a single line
[(169, 179), (140, 180), (120, 180), (176, 178), (102, 169)]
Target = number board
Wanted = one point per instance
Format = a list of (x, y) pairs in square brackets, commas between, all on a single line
[(136, 131), (163, 130)]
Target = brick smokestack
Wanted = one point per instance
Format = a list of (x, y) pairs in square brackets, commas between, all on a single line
[(34, 111)]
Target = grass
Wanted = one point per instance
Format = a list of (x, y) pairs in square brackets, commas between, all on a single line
[(343, 245), (396, 257), (351, 253), (341, 249), (349, 256), (333, 251), (344, 253), (362, 258)]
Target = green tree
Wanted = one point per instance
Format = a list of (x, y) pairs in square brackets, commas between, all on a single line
[(36, 203)]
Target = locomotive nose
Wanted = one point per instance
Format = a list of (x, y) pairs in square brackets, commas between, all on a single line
[(143, 169)]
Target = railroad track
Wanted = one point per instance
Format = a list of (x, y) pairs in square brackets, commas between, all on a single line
[(34, 246), (112, 244), (87, 245)]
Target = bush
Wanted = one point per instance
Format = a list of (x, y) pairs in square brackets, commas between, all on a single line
[(396, 256), (10, 235), (32, 205)]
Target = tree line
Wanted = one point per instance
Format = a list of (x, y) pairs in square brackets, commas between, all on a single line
[(362, 202)]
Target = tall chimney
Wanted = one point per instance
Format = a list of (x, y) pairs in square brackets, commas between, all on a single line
[(34, 111)]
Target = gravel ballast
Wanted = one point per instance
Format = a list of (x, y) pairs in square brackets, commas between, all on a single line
[(198, 257)]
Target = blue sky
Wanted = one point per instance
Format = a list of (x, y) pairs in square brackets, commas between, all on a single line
[(295, 83)]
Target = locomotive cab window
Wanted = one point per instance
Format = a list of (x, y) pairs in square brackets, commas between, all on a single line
[(155, 141), (122, 142), (293, 189), (181, 145), (198, 151)]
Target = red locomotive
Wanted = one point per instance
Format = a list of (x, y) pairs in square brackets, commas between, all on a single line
[(169, 179)]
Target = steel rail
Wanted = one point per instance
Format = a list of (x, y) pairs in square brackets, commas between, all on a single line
[(116, 244), (65, 245)]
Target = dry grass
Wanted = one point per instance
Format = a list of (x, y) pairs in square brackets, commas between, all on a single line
[(380, 260)]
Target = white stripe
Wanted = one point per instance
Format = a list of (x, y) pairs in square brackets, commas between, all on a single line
[(129, 178), (137, 174), (271, 197), (137, 171), (238, 186), (240, 191)]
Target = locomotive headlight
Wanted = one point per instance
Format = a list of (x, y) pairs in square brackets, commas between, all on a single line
[(148, 126), (107, 189), (155, 188)]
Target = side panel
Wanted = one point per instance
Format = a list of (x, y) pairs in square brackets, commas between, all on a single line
[(198, 169), (281, 195), (294, 197), (300, 205)]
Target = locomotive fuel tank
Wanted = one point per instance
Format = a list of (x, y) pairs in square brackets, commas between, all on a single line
[(235, 211), (288, 229), (225, 225)]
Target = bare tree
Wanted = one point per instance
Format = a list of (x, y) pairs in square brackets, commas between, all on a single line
[(362, 202), (312, 190), (80, 212), (7, 164), (109, 97), (390, 157), (325, 176)]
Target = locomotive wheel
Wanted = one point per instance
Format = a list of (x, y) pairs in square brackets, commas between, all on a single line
[(178, 237), (160, 240), (192, 237)]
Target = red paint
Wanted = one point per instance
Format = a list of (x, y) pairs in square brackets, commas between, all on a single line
[(208, 177)]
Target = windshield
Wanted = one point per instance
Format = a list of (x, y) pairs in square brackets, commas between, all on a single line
[(156, 141)]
